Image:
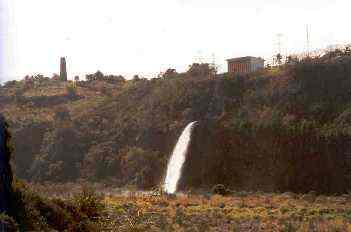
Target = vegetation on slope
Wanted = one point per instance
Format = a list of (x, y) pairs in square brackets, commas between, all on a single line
[(23, 210), (32, 212), (285, 128)]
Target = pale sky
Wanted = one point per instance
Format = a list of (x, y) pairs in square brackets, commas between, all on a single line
[(145, 37)]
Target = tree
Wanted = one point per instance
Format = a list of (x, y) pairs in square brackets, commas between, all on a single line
[(202, 70), (114, 79), (99, 75), (28, 82), (279, 58), (141, 167), (62, 114), (291, 60), (136, 78), (94, 77), (55, 77), (170, 73), (71, 90), (100, 162), (40, 79), (60, 155)]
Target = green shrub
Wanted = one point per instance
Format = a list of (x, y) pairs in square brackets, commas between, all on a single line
[(89, 202), (141, 167), (35, 213), (7, 223), (71, 90), (219, 189)]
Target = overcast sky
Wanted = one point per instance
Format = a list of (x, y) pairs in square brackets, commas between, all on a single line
[(145, 37)]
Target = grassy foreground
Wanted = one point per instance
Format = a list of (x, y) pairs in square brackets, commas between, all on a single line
[(238, 212), (116, 209)]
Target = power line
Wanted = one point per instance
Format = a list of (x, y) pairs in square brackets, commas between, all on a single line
[(307, 41), (200, 56), (277, 58)]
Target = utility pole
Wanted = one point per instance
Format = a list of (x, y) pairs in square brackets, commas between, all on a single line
[(278, 56), (200, 56), (279, 42), (214, 62), (213, 65)]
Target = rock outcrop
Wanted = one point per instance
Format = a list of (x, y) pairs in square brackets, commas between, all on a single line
[(5, 168)]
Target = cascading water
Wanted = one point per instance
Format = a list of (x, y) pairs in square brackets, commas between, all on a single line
[(177, 160)]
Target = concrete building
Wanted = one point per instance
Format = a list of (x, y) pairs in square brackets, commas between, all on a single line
[(247, 64), (63, 70)]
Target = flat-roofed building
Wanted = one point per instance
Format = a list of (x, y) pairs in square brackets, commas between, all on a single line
[(245, 64)]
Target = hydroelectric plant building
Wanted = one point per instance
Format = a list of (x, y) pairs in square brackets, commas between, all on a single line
[(247, 64)]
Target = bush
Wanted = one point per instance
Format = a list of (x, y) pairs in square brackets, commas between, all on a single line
[(7, 223), (219, 189), (89, 202), (59, 154), (100, 162), (35, 213), (62, 114), (141, 167), (71, 90)]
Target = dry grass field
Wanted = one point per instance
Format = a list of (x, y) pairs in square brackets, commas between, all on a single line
[(252, 212), (127, 210)]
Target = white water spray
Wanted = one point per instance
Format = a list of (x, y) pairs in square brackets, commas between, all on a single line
[(177, 160)]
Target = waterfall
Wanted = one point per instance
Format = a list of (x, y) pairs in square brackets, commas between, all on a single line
[(177, 160)]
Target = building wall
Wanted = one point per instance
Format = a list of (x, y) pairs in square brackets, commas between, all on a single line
[(240, 67), (237, 67), (256, 64)]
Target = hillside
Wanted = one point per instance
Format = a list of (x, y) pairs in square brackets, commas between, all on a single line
[(281, 129)]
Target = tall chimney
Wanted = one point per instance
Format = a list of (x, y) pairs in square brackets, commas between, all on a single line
[(63, 70)]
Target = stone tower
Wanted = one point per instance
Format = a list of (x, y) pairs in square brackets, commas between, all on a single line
[(63, 70)]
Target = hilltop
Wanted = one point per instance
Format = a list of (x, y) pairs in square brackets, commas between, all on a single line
[(281, 129)]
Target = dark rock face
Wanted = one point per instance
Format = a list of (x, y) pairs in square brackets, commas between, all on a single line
[(200, 157), (217, 156), (27, 140), (263, 161), (209, 160), (5, 168)]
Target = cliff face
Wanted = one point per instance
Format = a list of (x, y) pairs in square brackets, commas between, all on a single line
[(266, 160), (5, 168)]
